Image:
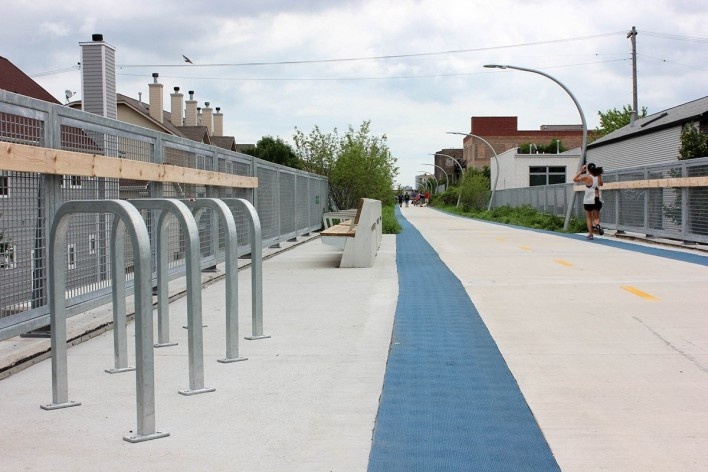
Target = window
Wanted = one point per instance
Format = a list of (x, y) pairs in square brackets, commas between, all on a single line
[(7, 256), (71, 256), (92, 244), (4, 185), (71, 181), (542, 175)]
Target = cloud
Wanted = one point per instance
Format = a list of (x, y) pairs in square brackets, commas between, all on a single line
[(435, 82)]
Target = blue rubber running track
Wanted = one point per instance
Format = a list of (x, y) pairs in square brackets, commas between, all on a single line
[(449, 401)]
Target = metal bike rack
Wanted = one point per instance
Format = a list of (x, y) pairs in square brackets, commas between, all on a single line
[(256, 236), (144, 354), (231, 243), (120, 343), (194, 287)]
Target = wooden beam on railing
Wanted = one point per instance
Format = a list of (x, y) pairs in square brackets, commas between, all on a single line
[(675, 182), (23, 158)]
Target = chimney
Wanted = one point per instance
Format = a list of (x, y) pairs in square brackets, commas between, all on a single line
[(190, 116), (156, 104), (218, 122), (207, 118), (176, 100), (98, 77)]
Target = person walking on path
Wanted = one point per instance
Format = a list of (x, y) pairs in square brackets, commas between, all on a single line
[(591, 176)]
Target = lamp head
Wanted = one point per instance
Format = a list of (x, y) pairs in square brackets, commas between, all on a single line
[(495, 66)]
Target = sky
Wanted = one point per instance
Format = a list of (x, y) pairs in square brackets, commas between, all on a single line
[(412, 68)]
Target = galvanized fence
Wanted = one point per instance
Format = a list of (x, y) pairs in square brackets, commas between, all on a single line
[(662, 200), (290, 203)]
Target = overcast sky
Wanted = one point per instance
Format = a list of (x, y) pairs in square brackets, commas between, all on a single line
[(414, 69)]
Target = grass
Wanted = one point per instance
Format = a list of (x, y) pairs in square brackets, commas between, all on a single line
[(525, 216), (389, 221)]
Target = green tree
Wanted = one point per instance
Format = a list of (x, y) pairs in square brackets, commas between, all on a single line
[(694, 143), (475, 189), (357, 164), (615, 119), (275, 150)]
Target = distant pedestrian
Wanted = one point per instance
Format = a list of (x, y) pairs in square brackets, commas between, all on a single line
[(407, 198), (400, 199), (591, 176)]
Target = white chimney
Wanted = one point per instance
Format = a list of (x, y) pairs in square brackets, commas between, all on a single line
[(98, 77), (218, 122), (190, 117), (156, 103), (207, 118), (176, 100)]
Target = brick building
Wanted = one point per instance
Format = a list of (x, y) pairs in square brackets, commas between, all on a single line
[(503, 134)]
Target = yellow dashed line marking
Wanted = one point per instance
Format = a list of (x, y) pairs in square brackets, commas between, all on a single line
[(639, 293), (525, 248), (501, 240), (563, 263)]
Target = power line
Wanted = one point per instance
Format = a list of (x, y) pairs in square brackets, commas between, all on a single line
[(335, 79), (676, 37), (372, 58), (671, 62)]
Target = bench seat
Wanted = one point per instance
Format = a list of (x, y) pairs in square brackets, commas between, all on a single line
[(360, 237)]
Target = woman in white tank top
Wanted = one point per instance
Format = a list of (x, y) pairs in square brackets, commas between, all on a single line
[(591, 176)]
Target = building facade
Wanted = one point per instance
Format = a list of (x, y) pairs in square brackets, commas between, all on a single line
[(503, 133)]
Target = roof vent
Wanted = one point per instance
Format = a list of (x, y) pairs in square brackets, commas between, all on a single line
[(97, 37), (176, 89)]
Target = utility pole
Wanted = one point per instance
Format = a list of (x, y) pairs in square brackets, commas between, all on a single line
[(632, 35)]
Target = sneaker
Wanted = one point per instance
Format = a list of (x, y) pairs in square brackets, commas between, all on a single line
[(599, 229), (589, 236)]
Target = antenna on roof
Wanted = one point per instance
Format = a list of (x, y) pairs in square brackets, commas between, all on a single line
[(69, 94)]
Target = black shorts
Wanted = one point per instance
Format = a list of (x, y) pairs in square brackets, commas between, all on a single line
[(593, 206)]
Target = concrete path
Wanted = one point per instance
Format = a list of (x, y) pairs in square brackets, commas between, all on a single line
[(305, 400), (609, 347)]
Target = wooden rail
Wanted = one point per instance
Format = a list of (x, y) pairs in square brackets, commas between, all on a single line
[(652, 183), (23, 158)]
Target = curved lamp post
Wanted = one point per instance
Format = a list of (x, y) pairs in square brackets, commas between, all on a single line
[(447, 180), (427, 180), (496, 160), (462, 172), (582, 119)]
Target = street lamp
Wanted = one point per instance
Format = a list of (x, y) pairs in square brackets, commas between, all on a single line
[(447, 180), (582, 119), (496, 161), (462, 173), (426, 180)]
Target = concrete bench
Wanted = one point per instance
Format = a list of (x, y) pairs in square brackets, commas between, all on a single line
[(359, 237), (328, 219)]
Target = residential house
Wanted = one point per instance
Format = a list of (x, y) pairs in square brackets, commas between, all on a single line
[(653, 139)]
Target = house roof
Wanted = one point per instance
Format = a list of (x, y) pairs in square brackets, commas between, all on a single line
[(224, 142), (675, 116), (195, 133), (14, 80)]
